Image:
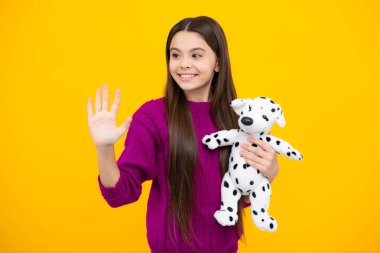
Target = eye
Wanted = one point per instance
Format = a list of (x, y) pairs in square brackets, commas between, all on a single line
[(197, 54), (174, 55)]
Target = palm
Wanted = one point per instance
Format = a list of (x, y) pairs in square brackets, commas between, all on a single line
[(102, 124)]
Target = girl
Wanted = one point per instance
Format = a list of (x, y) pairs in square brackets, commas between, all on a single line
[(164, 145)]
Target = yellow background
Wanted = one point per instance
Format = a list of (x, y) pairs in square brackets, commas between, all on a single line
[(318, 59)]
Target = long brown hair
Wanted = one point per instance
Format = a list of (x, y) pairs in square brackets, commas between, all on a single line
[(183, 153)]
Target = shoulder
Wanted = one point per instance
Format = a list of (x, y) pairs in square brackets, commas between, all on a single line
[(151, 115), (149, 109)]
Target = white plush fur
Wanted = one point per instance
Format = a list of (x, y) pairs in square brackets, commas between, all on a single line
[(256, 118)]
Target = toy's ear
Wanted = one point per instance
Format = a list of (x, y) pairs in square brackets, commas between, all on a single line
[(238, 105), (280, 119)]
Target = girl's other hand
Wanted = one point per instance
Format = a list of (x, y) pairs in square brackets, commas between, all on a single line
[(102, 124), (264, 159)]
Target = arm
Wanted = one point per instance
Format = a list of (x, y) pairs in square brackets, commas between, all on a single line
[(123, 179), (220, 139)]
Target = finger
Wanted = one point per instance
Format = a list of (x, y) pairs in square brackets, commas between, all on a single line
[(255, 158), (105, 98), (260, 153), (126, 124), (264, 145), (116, 101), (255, 165), (89, 107), (97, 100)]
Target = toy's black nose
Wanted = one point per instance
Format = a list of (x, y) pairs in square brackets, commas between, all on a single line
[(247, 121)]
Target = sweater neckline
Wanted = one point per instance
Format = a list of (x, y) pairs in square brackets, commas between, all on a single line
[(199, 106)]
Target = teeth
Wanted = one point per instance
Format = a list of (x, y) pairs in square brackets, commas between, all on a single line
[(187, 76)]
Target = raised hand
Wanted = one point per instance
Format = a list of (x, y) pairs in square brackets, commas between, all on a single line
[(102, 124)]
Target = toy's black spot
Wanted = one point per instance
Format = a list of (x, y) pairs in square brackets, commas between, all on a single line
[(272, 101), (237, 181), (262, 220), (261, 138), (226, 184), (261, 133), (249, 108), (271, 218), (273, 110), (265, 117), (254, 212), (271, 226), (240, 190), (262, 210), (236, 144), (241, 113), (258, 172), (235, 166), (294, 153), (278, 108), (288, 153), (263, 97), (278, 142), (222, 203), (254, 194), (231, 218), (225, 139), (251, 183), (247, 165), (208, 140), (229, 209), (234, 192), (263, 188), (268, 138), (268, 186), (218, 141), (244, 166), (215, 135)]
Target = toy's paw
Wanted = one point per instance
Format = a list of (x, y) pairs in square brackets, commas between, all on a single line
[(266, 223), (225, 218), (210, 142), (294, 155)]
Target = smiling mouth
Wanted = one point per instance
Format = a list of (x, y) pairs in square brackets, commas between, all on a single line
[(186, 77)]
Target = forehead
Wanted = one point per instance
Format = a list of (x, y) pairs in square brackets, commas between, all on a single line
[(185, 41)]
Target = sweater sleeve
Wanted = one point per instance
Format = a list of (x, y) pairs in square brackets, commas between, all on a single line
[(136, 163)]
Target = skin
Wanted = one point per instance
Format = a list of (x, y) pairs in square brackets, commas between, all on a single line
[(204, 62), (105, 132)]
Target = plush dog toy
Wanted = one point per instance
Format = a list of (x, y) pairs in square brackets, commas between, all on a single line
[(257, 117)]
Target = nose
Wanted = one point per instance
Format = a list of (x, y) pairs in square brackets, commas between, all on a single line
[(247, 121), (185, 63)]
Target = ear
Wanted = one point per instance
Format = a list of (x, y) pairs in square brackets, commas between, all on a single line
[(280, 119), (217, 67), (238, 105)]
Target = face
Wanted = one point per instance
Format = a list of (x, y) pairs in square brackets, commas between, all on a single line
[(192, 65)]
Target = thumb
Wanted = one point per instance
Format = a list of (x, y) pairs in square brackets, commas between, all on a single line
[(126, 124)]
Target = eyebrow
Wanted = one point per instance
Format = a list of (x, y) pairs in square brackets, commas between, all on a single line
[(193, 49)]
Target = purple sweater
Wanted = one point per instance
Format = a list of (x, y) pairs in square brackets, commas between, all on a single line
[(145, 157)]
